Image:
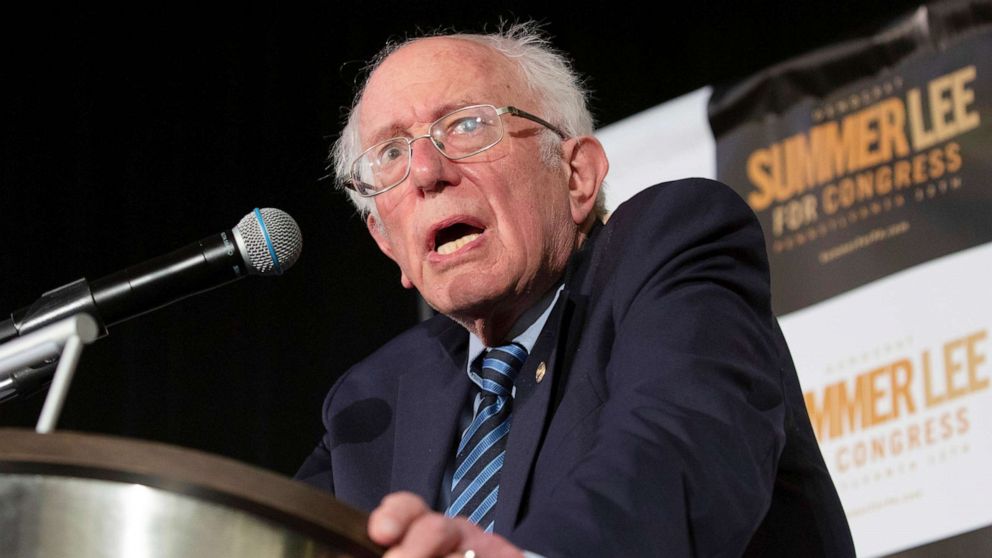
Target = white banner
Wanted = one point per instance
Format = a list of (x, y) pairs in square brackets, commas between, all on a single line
[(896, 377)]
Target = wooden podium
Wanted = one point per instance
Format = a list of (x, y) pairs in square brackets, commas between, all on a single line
[(85, 496)]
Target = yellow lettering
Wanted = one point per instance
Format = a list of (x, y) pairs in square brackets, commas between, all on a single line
[(941, 106), (883, 180), (952, 368), (799, 168), (763, 173), (949, 101), (936, 158), (902, 169), (840, 410), (902, 379), (919, 168), (953, 153), (974, 360), (962, 97), (929, 396), (922, 138), (892, 129)]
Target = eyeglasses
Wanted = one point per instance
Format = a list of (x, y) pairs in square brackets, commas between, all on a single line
[(457, 135)]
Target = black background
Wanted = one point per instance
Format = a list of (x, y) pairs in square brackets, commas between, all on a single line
[(131, 131)]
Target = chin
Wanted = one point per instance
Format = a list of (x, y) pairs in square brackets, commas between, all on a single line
[(468, 301)]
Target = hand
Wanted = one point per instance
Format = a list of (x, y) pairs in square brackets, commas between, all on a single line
[(405, 524)]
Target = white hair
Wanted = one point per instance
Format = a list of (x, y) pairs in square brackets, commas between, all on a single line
[(548, 74)]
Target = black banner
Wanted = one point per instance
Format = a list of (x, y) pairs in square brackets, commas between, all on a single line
[(867, 157)]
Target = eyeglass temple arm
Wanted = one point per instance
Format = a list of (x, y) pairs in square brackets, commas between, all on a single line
[(524, 114)]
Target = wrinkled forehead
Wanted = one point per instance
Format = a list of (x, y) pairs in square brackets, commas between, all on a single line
[(428, 78)]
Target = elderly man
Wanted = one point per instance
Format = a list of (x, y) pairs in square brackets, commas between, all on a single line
[(587, 389)]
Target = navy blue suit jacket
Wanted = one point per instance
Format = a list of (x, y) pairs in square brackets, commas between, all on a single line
[(670, 421)]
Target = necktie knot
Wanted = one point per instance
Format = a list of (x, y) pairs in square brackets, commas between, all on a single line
[(499, 368)]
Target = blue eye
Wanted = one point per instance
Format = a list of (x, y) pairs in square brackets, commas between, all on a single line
[(469, 125), (389, 153)]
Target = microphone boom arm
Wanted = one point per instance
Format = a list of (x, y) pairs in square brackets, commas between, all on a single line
[(63, 339)]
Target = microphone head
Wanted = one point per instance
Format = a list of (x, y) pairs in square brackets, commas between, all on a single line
[(270, 241)]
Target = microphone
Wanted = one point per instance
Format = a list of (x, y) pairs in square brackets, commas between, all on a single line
[(265, 242)]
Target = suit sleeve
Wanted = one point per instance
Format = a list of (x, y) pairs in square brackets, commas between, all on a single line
[(316, 470), (690, 426)]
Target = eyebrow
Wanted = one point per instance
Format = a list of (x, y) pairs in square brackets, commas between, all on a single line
[(395, 129)]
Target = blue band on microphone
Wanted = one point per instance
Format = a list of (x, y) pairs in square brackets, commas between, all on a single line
[(268, 241)]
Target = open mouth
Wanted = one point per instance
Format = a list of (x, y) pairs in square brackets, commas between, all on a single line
[(449, 239)]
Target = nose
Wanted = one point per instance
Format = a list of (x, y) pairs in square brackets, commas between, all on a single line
[(429, 169)]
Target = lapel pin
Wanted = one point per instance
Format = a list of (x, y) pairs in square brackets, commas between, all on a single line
[(539, 374)]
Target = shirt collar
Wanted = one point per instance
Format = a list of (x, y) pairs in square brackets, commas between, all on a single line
[(525, 331)]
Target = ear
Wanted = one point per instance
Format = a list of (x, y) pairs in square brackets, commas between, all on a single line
[(385, 246), (587, 167)]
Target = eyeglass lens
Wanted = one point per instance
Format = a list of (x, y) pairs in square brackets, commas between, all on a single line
[(460, 134)]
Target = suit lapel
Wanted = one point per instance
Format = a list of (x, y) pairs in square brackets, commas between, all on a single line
[(535, 402), (531, 409), (429, 403)]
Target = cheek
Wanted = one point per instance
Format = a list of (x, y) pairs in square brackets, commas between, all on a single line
[(396, 216), (399, 245), (390, 202), (537, 205), (541, 233), (552, 204)]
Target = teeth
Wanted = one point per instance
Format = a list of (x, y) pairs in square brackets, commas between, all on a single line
[(454, 245)]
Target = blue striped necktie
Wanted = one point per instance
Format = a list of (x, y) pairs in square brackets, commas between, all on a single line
[(475, 483)]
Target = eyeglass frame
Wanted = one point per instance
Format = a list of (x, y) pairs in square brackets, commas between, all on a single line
[(509, 109)]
